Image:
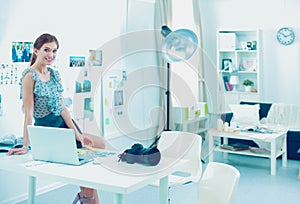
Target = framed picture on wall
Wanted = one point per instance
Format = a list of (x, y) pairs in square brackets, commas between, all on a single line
[(227, 65)]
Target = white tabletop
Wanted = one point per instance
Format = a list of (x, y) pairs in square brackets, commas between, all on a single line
[(248, 135), (111, 175)]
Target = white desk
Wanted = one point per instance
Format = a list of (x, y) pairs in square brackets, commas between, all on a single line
[(117, 177), (273, 139)]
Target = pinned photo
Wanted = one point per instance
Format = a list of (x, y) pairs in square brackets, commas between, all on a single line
[(21, 51), (77, 61)]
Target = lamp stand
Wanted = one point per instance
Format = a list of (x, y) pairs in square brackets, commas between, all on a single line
[(168, 98)]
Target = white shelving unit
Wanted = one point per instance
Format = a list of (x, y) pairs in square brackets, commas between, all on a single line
[(238, 56), (198, 125)]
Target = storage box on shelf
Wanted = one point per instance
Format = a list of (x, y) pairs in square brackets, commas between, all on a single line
[(238, 59), (192, 118)]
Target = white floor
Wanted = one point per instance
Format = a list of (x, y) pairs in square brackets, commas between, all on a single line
[(256, 186)]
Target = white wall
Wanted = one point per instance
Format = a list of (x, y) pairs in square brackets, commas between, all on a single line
[(281, 64), (78, 25)]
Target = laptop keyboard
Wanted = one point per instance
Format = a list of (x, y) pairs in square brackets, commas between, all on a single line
[(83, 156)]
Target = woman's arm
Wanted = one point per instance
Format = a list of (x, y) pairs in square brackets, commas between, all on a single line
[(27, 95), (65, 114)]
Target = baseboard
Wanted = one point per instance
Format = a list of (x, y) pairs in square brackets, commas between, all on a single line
[(39, 191)]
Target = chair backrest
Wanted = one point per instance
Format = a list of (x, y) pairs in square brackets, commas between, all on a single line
[(218, 184), (183, 145)]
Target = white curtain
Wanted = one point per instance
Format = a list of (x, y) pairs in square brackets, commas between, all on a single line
[(202, 91)]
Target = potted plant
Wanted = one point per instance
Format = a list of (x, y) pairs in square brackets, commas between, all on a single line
[(248, 85)]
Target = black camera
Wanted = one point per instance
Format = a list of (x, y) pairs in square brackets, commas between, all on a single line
[(138, 154)]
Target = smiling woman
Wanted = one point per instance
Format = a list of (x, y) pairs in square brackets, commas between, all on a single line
[(43, 101)]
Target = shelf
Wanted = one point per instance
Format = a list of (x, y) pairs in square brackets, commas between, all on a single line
[(238, 72), (239, 51), (242, 152), (241, 92), (247, 152)]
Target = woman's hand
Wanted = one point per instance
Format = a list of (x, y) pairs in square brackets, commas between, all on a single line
[(86, 140), (17, 151)]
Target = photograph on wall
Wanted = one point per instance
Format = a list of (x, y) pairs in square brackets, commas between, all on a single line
[(21, 51), (8, 74), (88, 108), (118, 98), (77, 61), (95, 57)]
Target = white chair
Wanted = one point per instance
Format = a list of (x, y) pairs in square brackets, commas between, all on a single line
[(218, 184), (182, 145)]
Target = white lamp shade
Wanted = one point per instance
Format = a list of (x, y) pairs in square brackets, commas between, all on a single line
[(234, 80)]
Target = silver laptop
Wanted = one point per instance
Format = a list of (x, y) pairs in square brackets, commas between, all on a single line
[(56, 145)]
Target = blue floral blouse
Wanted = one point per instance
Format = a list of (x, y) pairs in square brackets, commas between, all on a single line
[(47, 95)]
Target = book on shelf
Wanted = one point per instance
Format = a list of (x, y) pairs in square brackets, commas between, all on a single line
[(260, 150), (235, 147), (227, 85)]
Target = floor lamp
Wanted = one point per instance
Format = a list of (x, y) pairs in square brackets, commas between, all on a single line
[(177, 46)]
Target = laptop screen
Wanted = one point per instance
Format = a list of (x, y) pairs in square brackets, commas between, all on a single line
[(53, 144)]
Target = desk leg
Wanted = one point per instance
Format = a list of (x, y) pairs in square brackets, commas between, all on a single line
[(273, 158), (163, 190), (284, 149), (31, 189), (184, 127), (210, 148), (118, 198), (225, 141)]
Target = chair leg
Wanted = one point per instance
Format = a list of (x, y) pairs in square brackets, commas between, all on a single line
[(169, 200)]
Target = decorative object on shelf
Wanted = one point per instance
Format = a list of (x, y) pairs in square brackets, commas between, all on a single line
[(227, 41), (244, 45), (227, 65), (285, 36), (249, 64), (248, 45), (254, 45), (234, 81), (248, 85)]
